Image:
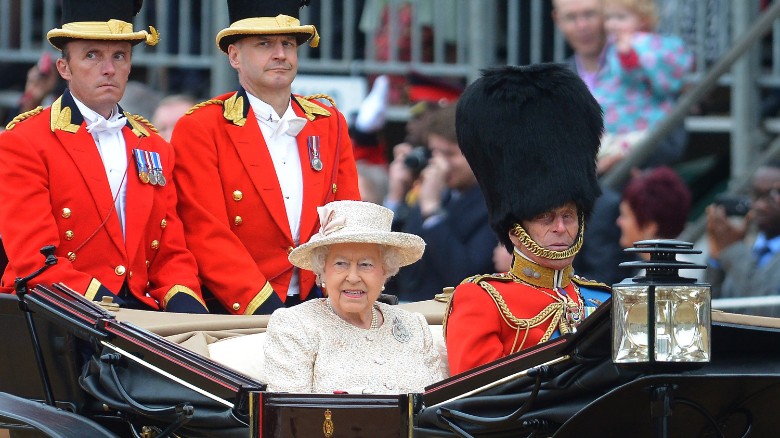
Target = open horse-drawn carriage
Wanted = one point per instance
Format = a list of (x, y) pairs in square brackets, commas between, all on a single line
[(71, 367)]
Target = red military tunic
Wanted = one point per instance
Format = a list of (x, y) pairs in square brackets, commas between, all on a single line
[(231, 202), (55, 191), (492, 316)]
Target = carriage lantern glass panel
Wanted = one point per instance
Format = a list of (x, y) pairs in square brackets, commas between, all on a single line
[(659, 318)]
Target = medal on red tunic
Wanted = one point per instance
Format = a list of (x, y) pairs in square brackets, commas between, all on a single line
[(157, 168), (150, 168), (141, 165), (314, 152), (573, 311)]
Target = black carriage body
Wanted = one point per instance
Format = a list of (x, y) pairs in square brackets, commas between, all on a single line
[(333, 415), (582, 393), (567, 387), (117, 374)]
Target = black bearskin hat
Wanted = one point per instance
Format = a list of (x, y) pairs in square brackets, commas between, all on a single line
[(531, 135)]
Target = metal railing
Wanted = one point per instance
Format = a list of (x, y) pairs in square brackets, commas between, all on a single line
[(453, 38), (467, 35)]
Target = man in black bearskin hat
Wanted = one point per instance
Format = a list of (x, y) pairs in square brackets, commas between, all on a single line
[(531, 135), (253, 165), (90, 179)]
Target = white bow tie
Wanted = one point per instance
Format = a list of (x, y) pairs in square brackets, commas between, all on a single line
[(293, 126), (103, 125)]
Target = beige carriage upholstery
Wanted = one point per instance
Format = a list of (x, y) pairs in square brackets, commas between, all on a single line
[(237, 341)]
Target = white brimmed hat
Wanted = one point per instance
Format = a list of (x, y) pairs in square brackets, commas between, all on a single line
[(358, 222)]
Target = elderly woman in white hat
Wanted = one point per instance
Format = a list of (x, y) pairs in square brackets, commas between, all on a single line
[(349, 341)]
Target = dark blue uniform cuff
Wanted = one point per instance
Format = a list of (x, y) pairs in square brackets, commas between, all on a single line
[(184, 303), (271, 303)]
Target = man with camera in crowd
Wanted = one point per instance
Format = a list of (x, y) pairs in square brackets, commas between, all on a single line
[(444, 205), (742, 266)]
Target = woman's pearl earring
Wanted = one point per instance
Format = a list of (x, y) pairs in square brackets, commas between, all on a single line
[(383, 288), (322, 285)]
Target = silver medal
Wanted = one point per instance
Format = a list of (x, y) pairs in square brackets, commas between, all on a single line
[(314, 152)]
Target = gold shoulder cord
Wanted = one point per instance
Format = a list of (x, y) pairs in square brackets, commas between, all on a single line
[(139, 125), (322, 96), (143, 120), (22, 117), (472, 279), (311, 109), (202, 104)]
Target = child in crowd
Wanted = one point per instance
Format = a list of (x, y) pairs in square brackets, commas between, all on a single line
[(643, 76)]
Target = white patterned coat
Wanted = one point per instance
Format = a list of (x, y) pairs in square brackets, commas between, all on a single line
[(310, 349)]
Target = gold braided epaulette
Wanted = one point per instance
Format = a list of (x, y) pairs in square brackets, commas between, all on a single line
[(475, 279), (313, 110), (204, 103), (144, 121), (23, 116), (501, 276), (321, 96), (581, 281)]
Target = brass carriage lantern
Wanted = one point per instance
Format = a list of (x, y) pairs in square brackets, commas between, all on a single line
[(660, 319)]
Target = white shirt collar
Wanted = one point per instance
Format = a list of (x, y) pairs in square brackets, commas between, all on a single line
[(289, 123), (264, 111), (91, 116)]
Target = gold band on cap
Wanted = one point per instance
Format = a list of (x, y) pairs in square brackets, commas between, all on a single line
[(111, 30), (280, 21), (112, 26), (279, 25)]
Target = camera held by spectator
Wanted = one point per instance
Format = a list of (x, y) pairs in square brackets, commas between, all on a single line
[(417, 159)]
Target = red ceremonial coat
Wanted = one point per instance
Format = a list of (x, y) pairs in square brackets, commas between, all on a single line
[(231, 202), (481, 321), (54, 191)]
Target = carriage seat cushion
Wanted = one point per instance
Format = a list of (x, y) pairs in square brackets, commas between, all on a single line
[(245, 353), (242, 353)]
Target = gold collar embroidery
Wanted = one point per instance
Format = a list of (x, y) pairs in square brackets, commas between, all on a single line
[(537, 275)]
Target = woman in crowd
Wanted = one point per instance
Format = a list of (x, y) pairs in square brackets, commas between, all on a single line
[(348, 341), (656, 204)]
